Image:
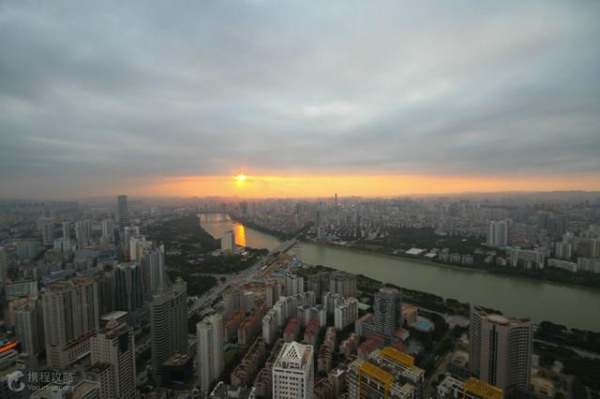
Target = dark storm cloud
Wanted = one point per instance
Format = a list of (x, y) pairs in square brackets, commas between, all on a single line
[(96, 89)]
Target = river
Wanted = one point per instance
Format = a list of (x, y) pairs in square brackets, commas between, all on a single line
[(576, 307)]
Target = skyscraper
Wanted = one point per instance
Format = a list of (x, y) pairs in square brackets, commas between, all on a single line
[(153, 269), (498, 233), (209, 359), (129, 288), (3, 266), (501, 350), (83, 233), (168, 325), (138, 245), (388, 311), (294, 284), (293, 372), (66, 231), (114, 345), (107, 297), (108, 231), (122, 211), (345, 313), (318, 226), (70, 319), (342, 283), (28, 327), (46, 226)]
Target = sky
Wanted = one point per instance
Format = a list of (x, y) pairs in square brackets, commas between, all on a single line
[(305, 97)]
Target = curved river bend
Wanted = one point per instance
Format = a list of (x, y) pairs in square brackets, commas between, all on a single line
[(572, 306)]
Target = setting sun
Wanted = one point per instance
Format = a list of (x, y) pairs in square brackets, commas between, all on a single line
[(241, 178)]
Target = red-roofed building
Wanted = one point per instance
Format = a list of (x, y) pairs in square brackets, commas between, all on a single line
[(311, 332), (231, 326), (292, 329), (250, 327), (371, 344)]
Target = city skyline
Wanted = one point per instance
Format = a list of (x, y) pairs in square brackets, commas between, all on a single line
[(299, 199), (161, 301), (364, 100)]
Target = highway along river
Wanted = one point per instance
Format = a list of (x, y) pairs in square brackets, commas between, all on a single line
[(573, 306)]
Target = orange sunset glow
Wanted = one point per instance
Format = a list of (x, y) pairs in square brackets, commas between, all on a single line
[(297, 186)]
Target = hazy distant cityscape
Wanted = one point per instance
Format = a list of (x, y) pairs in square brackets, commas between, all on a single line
[(135, 297)]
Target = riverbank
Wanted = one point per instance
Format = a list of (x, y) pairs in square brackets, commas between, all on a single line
[(551, 276), (584, 343), (507, 271), (574, 306)]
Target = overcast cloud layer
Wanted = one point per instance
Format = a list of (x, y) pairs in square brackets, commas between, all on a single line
[(94, 92)]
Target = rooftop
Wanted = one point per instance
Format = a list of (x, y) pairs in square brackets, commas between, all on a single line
[(293, 355), (482, 389), (116, 315)]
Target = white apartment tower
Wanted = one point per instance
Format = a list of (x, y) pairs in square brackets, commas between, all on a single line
[(498, 233), (293, 372), (115, 346), (210, 361), (501, 350), (345, 313), (71, 315), (294, 284)]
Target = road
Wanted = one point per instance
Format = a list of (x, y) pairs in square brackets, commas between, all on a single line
[(245, 276)]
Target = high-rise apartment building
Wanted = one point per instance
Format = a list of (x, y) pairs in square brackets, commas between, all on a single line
[(168, 325), (209, 359), (228, 241), (501, 350), (138, 246), (342, 283), (272, 292), (108, 231), (66, 231), (388, 311), (345, 313), (71, 314), (3, 266), (114, 345), (294, 284), (28, 327), (293, 372), (122, 211), (270, 326), (107, 297), (46, 226), (129, 289), (319, 283), (388, 373), (319, 230), (83, 233), (498, 233), (153, 269)]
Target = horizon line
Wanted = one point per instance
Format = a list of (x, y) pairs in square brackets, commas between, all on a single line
[(406, 195)]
